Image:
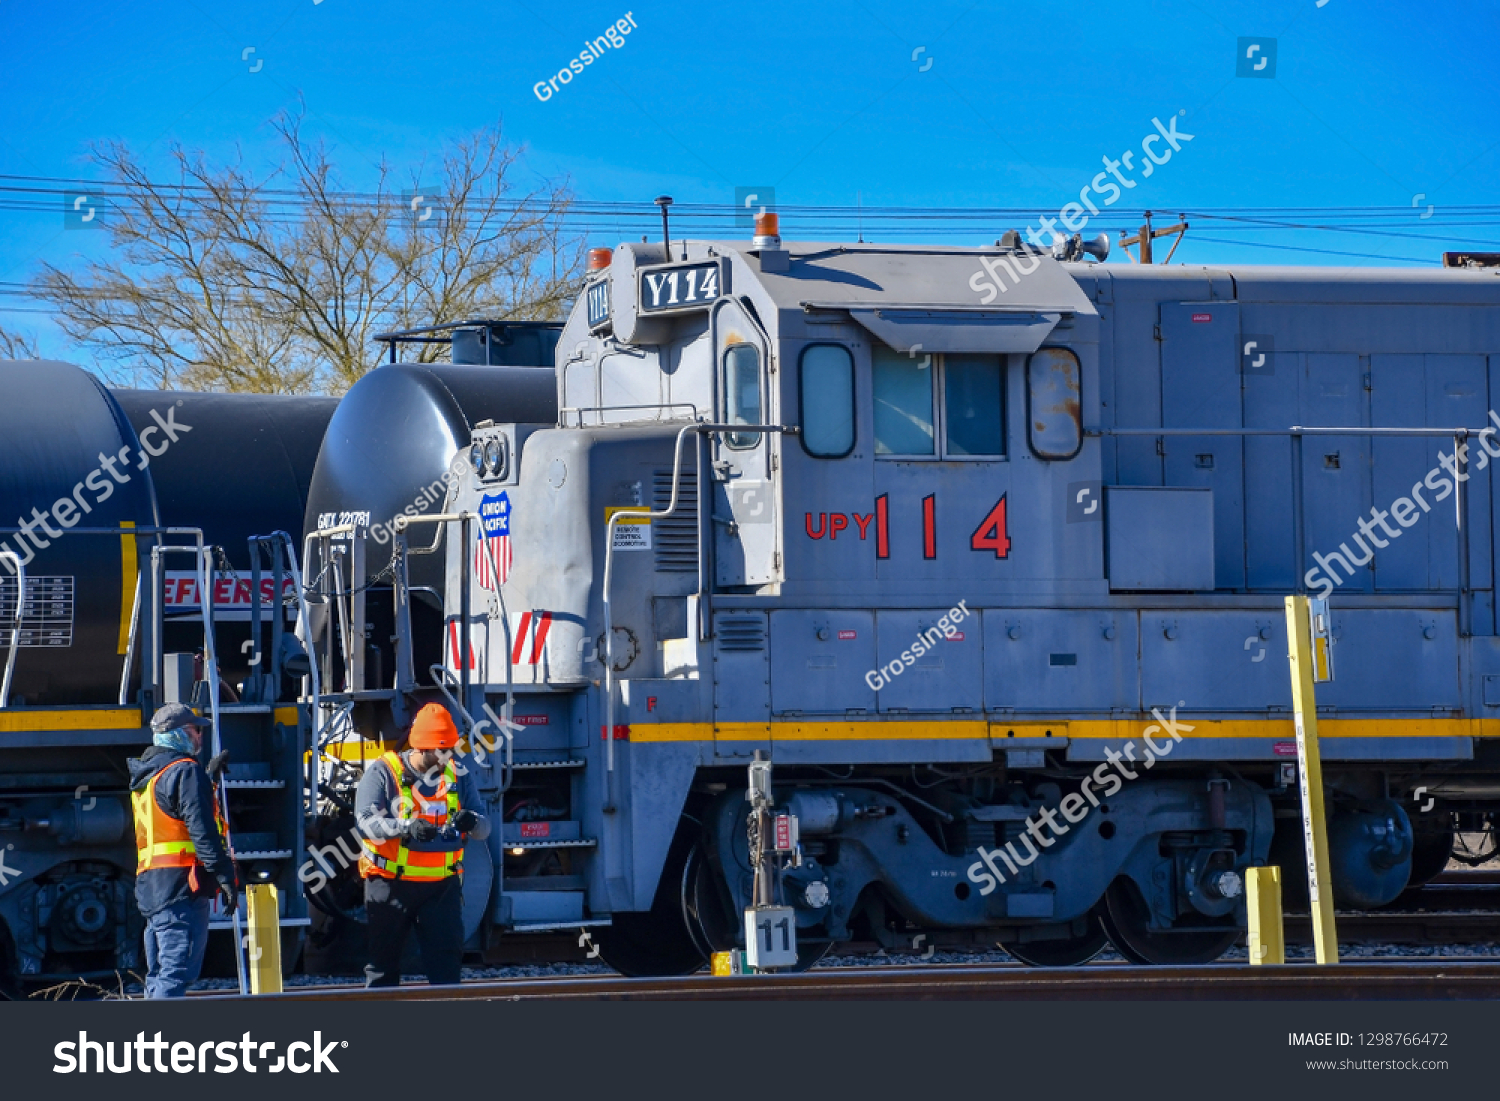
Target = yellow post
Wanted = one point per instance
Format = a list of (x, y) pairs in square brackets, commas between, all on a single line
[(1310, 777), (1263, 901), (265, 938)]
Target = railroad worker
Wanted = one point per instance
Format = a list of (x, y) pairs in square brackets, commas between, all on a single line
[(416, 809), (182, 857)]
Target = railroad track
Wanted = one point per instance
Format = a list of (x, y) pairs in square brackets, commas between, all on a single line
[(1400, 981)]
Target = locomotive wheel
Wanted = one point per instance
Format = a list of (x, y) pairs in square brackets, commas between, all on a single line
[(1063, 952), (710, 923), (658, 942), (648, 946), (809, 952), (1431, 851), (704, 910), (1126, 917)]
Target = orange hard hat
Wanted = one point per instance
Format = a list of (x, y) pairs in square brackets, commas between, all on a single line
[(433, 728)]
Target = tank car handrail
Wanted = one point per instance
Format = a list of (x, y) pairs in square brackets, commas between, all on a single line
[(131, 642), (19, 568)]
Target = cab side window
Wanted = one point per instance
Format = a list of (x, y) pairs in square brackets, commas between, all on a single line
[(826, 391), (1054, 397), (903, 403), (938, 406)]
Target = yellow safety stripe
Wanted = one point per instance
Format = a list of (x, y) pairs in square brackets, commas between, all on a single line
[(129, 579), (112, 718), (141, 811), (969, 729), (171, 848), (964, 729)]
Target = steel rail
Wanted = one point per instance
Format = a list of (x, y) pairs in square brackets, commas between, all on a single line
[(1424, 980)]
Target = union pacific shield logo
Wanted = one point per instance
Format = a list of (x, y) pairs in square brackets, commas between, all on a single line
[(492, 553)]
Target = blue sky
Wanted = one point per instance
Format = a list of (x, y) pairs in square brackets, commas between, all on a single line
[(1371, 104)]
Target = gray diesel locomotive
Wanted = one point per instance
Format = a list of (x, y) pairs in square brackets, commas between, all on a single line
[(984, 552)]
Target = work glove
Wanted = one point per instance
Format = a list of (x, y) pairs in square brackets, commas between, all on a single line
[(231, 894), (218, 766), (419, 829), (465, 820)]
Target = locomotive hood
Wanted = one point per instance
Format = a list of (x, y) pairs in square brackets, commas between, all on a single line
[(993, 299)]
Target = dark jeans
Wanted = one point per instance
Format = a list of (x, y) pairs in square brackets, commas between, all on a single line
[(435, 908), (176, 936)]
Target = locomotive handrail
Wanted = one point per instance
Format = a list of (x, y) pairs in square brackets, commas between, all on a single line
[(582, 409), (703, 428), (1295, 430), (509, 709), (19, 567)]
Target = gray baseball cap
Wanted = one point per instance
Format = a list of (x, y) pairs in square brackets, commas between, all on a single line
[(174, 716)]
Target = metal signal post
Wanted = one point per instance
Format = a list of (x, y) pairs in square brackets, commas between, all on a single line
[(1306, 668)]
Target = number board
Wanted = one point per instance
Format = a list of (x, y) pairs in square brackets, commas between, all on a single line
[(686, 287), (598, 299), (771, 937)]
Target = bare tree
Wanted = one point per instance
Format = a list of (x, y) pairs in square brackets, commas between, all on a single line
[(17, 345), (223, 281)]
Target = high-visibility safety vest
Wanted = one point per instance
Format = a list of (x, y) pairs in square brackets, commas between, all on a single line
[(391, 859), (162, 841)]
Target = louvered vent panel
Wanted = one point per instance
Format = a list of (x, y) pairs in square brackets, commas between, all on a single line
[(675, 538), (745, 633)]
